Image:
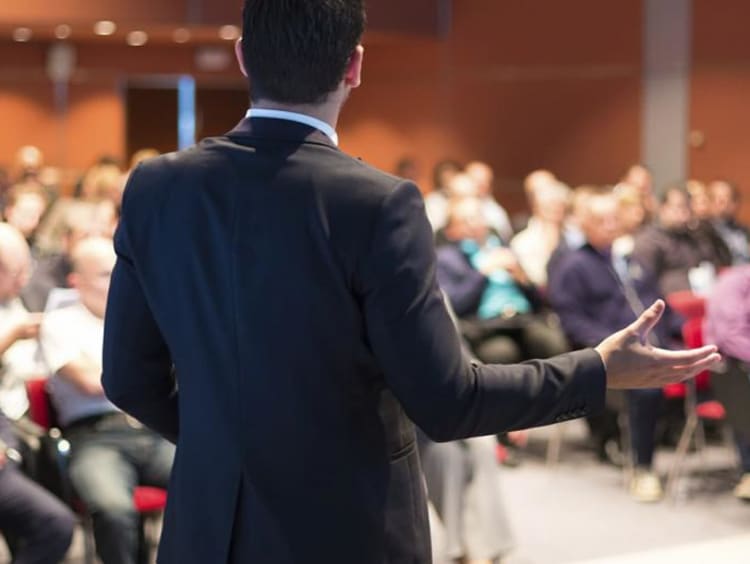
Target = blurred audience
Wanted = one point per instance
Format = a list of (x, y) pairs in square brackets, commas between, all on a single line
[(640, 177), (490, 292), (672, 246)]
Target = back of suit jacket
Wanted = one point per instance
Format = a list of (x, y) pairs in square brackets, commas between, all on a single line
[(292, 289)]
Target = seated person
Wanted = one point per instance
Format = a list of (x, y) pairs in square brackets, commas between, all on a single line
[(487, 287), (725, 207), (19, 351), (463, 488), (595, 292), (110, 452), (727, 326), (674, 244), (37, 525)]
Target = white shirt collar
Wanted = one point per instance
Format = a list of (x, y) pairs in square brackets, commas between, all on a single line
[(295, 116)]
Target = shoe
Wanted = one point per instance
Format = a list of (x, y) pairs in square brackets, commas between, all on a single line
[(742, 489), (646, 487)]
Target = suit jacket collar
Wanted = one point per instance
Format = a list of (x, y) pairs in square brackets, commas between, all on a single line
[(273, 129)]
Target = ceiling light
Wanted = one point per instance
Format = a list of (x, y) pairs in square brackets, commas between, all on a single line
[(229, 32), (105, 27), (22, 34), (181, 35), (137, 38), (63, 31)]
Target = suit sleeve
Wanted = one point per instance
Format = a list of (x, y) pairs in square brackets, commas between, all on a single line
[(137, 375), (412, 337)]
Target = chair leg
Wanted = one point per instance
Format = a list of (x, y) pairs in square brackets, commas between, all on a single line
[(89, 544), (628, 467), (680, 453), (554, 445)]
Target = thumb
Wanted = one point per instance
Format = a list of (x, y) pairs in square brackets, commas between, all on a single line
[(647, 320)]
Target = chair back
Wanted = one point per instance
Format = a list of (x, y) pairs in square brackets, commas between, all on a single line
[(40, 406)]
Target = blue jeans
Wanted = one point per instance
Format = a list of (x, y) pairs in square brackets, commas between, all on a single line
[(643, 410), (105, 467), (38, 523)]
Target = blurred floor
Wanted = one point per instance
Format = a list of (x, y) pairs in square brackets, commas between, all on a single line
[(580, 513)]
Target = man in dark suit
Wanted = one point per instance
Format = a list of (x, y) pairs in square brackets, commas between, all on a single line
[(290, 290)]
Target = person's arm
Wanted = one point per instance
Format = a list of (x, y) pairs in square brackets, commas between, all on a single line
[(451, 397), (25, 329), (461, 283), (137, 371), (84, 375)]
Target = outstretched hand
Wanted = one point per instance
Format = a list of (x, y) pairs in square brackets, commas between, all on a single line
[(632, 362)]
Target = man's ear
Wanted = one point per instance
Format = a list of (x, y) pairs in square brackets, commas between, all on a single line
[(240, 56), (353, 76), (73, 280)]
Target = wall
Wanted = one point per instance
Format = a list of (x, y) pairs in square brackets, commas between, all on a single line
[(720, 92)]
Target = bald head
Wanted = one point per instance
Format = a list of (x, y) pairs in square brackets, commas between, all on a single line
[(483, 175), (462, 186), (93, 260), (535, 181)]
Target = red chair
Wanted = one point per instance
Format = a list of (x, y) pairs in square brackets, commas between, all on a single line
[(149, 502), (695, 412)]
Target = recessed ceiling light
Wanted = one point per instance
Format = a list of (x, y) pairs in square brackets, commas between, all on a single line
[(105, 27), (22, 34), (63, 31), (181, 35), (229, 32), (137, 38)]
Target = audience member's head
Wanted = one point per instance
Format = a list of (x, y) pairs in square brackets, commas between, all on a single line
[(102, 182), (483, 175), (88, 219), (408, 168), (466, 220), (674, 208), (142, 155), (462, 186), (29, 161), (640, 177), (725, 199), (15, 262), (534, 181), (700, 201), (25, 207), (552, 202), (314, 42), (442, 173), (599, 219), (93, 260), (632, 213), (578, 201)]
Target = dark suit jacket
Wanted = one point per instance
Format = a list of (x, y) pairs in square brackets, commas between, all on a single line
[(293, 289)]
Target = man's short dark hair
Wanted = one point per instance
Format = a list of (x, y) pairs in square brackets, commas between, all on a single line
[(663, 195), (297, 51)]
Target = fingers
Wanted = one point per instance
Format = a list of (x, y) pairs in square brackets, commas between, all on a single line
[(698, 366), (647, 320), (683, 357)]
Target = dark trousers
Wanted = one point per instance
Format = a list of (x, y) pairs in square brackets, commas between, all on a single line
[(643, 410), (106, 465), (39, 524)]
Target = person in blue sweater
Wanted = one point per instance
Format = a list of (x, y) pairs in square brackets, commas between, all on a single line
[(594, 290)]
